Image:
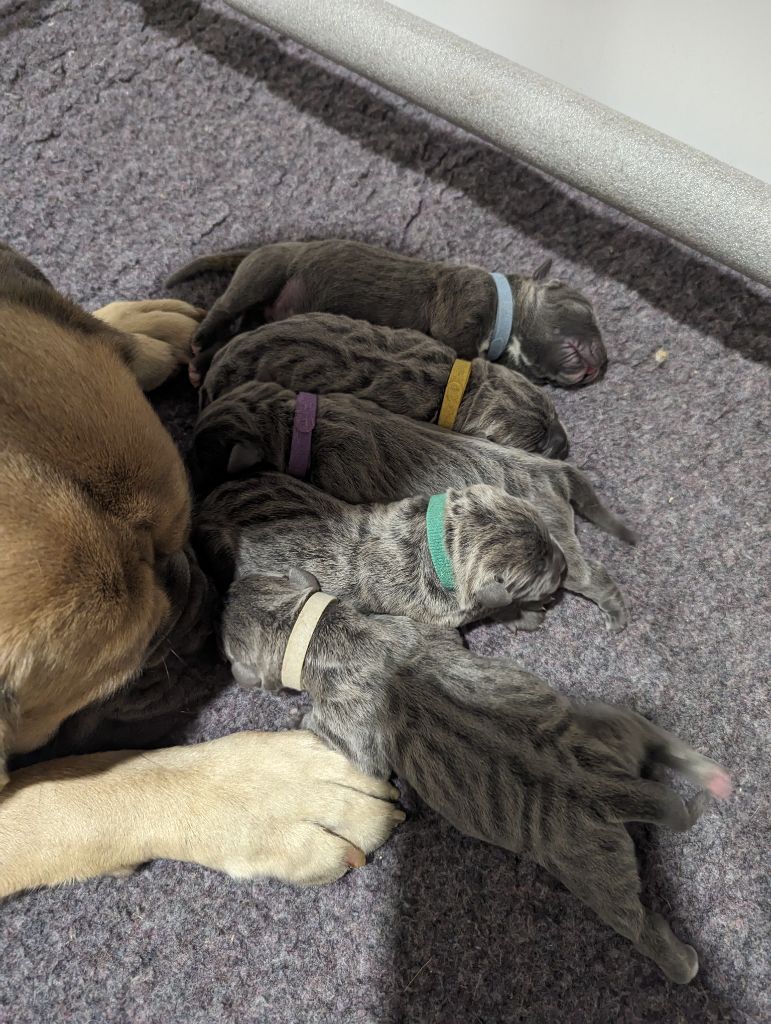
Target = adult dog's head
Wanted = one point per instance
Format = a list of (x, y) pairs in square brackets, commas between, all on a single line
[(96, 579)]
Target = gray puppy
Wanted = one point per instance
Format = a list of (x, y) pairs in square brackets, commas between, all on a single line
[(404, 371), (378, 556), (489, 746), (364, 454), (553, 334)]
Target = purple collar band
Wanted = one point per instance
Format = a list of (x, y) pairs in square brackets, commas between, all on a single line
[(305, 410)]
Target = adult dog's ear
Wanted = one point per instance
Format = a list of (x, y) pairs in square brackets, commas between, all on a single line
[(493, 595), (543, 271), (300, 579)]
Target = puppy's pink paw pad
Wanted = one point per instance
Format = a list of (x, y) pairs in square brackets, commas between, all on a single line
[(719, 785)]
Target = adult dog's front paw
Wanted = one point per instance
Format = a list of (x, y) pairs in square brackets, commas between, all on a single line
[(162, 332), (285, 805)]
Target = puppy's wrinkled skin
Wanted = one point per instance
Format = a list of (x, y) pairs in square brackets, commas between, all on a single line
[(377, 556), (363, 454), (490, 747), (403, 371), (253, 804), (97, 583), (554, 336)]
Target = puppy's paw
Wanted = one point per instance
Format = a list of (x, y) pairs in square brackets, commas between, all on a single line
[(161, 331), (530, 619), (294, 809), (616, 619)]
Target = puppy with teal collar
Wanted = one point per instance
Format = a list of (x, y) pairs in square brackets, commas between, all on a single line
[(448, 560), (544, 329), (359, 453)]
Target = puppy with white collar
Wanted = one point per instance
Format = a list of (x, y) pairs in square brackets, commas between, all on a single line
[(492, 748)]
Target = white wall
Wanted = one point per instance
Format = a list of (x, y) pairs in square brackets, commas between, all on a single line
[(699, 70)]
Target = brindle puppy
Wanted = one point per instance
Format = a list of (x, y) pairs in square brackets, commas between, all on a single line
[(403, 371), (377, 556), (489, 746), (554, 334), (363, 454)]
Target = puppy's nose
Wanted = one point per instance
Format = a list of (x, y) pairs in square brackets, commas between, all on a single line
[(557, 445)]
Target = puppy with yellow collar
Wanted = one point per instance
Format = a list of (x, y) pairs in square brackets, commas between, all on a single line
[(403, 371)]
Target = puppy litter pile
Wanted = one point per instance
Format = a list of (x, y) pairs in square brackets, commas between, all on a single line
[(157, 131)]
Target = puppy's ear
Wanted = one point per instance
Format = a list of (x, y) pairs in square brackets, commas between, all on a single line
[(300, 579), (242, 456), (493, 595), (543, 271)]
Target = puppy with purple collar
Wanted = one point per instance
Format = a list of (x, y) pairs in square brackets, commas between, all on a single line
[(358, 453)]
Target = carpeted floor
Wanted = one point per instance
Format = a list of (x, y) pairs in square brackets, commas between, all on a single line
[(135, 134)]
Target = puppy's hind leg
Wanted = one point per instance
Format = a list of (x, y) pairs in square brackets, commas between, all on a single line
[(256, 283), (589, 505), (599, 867)]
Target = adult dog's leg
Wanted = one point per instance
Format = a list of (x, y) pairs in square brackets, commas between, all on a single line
[(281, 804), (159, 335)]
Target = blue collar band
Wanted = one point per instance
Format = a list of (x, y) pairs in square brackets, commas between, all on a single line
[(437, 545), (504, 318)]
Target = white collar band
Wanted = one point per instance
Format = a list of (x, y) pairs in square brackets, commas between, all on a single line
[(300, 638)]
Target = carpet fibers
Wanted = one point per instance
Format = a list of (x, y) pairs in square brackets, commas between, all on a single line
[(136, 133)]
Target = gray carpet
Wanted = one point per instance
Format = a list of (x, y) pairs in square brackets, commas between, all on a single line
[(135, 134)]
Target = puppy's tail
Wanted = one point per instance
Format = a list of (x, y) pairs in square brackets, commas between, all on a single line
[(218, 262), (588, 504)]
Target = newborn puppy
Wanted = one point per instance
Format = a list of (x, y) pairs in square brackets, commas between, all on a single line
[(378, 556), (490, 747), (403, 371), (362, 454), (551, 334)]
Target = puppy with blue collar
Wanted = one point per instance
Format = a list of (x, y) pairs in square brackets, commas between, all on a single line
[(544, 329)]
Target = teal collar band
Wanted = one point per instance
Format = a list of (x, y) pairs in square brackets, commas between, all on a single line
[(437, 546), (504, 318)]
